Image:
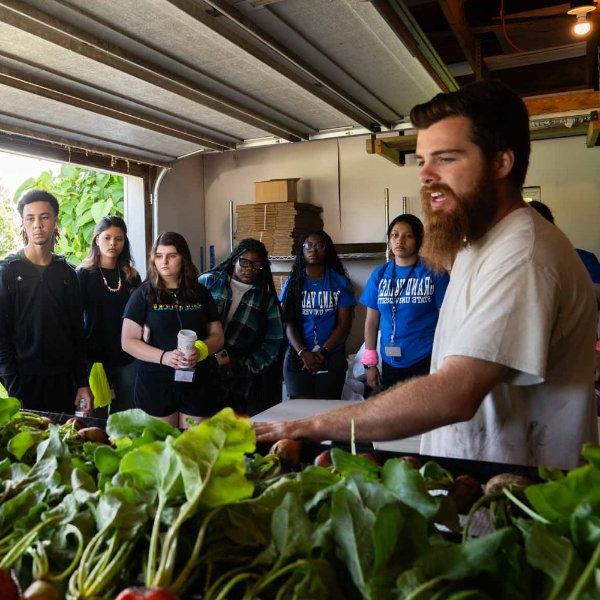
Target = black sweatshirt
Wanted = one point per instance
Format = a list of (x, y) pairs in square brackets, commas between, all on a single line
[(103, 314), (41, 320)]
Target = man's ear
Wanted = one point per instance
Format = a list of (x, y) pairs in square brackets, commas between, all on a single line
[(504, 163)]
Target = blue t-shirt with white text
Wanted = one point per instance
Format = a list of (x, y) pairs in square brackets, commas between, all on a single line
[(417, 303), (319, 301)]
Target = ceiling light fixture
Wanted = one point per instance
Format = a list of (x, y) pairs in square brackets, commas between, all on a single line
[(580, 9)]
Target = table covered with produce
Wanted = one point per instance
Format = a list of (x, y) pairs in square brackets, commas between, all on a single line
[(138, 509)]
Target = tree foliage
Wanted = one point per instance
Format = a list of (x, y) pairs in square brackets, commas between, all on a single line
[(9, 224), (85, 197)]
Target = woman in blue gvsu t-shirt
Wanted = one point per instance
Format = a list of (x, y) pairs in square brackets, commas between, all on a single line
[(318, 304), (403, 298)]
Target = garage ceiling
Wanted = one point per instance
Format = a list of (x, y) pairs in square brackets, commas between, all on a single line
[(155, 80)]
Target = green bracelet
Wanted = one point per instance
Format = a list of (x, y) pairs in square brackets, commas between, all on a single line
[(202, 349)]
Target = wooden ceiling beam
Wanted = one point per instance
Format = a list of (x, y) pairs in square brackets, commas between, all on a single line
[(379, 147), (557, 103), (469, 44)]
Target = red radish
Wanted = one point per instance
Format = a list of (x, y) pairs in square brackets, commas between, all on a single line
[(288, 452), (139, 593), (324, 459), (9, 589), (369, 457)]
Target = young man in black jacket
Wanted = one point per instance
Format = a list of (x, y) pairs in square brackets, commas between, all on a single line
[(42, 357)]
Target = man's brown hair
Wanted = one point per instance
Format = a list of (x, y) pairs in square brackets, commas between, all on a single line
[(499, 120)]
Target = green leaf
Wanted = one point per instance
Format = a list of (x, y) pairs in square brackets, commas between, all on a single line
[(585, 525), (19, 505), (591, 453), (388, 524), (20, 443), (352, 530), (154, 465), (345, 463), (408, 485), (83, 486), (25, 185), (211, 457), (554, 556), (132, 423), (435, 476), (291, 529), (106, 459), (122, 508), (9, 407), (98, 211), (52, 446), (556, 500), (455, 562)]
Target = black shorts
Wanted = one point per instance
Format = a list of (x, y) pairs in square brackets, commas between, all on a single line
[(159, 395)]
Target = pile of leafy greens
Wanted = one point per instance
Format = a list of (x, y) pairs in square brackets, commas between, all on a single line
[(200, 515)]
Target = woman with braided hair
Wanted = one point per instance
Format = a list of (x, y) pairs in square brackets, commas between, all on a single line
[(318, 304), (243, 290)]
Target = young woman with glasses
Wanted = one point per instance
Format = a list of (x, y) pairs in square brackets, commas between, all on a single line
[(318, 304), (403, 298), (169, 384), (243, 290), (107, 278)]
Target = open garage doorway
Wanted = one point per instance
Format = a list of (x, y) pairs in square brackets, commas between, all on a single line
[(85, 195)]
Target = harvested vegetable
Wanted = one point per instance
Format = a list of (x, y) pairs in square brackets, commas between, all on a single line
[(496, 484), (288, 452), (465, 491)]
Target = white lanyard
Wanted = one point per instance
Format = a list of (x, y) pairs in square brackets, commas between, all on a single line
[(394, 306)]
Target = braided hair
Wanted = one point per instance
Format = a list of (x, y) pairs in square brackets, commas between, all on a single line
[(265, 278), (292, 301)]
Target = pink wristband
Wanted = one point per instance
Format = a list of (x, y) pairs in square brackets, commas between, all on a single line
[(370, 358), (598, 346)]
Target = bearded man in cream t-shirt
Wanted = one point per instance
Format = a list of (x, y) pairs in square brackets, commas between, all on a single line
[(512, 366)]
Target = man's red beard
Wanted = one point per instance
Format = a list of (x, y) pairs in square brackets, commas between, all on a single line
[(467, 219)]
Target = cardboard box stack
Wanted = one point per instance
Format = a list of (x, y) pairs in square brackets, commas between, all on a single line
[(280, 222)]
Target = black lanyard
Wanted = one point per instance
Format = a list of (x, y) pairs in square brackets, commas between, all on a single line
[(394, 306)]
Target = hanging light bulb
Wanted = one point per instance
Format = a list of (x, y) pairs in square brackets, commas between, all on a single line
[(582, 26), (579, 9)]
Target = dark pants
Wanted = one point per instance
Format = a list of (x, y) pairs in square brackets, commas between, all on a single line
[(46, 393), (302, 384), (392, 375)]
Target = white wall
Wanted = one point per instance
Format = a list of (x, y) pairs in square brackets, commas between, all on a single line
[(569, 175), (181, 203), (231, 176)]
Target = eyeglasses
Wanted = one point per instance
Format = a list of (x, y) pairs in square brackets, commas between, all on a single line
[(248, 264), (316, 245)]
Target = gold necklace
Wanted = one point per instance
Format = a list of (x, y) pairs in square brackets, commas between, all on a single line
[(106, 282)]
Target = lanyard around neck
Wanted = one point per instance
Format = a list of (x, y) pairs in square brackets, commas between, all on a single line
[(394, 305)]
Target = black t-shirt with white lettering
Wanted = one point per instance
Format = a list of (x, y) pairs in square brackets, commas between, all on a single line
[(165, 319)]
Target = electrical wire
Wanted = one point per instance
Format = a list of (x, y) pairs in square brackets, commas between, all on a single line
[(504, 31)]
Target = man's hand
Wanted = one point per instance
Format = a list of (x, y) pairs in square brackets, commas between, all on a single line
[(272, 431), (312, 361), (373, 379), (86, 394)]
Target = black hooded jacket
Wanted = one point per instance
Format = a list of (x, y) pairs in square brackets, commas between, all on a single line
[(41, 320)]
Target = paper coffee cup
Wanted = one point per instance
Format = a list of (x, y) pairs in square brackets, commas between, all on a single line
[(185, 340)]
